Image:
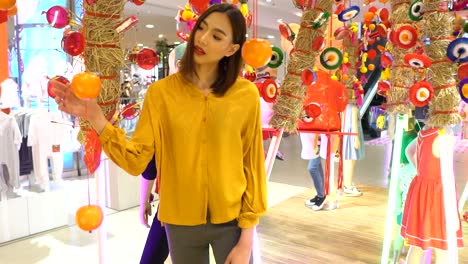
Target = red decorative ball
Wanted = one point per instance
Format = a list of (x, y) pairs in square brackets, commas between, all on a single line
[(199, 6), (147, 59), (50, 86), (73, 43), (58, 16)]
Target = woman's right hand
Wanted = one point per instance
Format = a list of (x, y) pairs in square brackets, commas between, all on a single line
[(71, 104), (67, 101), (145, 211)]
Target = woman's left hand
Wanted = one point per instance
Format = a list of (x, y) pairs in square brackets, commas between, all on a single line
[(240, 254)]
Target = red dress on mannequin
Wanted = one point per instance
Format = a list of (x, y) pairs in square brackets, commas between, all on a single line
[(423, 223)]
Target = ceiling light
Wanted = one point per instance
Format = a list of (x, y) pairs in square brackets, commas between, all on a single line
[(140, 45), (270, 37), (149, 26), (176, 42), (299, 14), (160, 36)]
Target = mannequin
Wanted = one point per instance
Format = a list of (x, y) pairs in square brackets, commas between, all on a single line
[(35, 81), (353, 149), (10, 141), (424, 223)]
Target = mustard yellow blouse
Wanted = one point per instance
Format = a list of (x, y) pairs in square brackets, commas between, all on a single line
[(209, 152)]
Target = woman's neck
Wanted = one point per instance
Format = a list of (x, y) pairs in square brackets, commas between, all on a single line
[(207, 74)]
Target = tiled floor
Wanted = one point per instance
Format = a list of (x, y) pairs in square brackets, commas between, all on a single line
[(125, 237)]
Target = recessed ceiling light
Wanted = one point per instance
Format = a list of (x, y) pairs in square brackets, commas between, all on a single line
[(299, 14), (140, 45), (176, 42), (160, 36), (270, 37), (149, 26)]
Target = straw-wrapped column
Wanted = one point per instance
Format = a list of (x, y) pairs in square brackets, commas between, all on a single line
[(289, 104), (103, 53), (402, 76), (437, 26)]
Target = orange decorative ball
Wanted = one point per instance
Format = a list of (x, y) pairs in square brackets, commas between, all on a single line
[(86, 85), (257, 52), (12, 11), (89, 217), (7, 4)]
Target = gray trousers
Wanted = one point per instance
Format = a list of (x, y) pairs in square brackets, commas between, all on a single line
[(190, 244)]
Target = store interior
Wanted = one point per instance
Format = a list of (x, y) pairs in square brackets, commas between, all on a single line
[(356, 57)]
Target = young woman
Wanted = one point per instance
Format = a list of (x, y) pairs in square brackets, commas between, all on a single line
[(203, 125)]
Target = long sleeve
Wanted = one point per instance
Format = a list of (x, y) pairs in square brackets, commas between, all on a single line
[(132, 155), (254, 200)]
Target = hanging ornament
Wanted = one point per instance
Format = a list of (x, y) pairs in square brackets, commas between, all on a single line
[(73, 43), (50, 86), (183, 36), (138, 2), (348, 14), (463, 71), (91, 2), (130, 111), (286, 31), (147, 59), (86, 85), (383, 87), (89, 217), (331, 58), (7, 4), (309, 77), (199, 6), (463, 89), (320, 20), (417, 61), (386, 59), (268, 90), (312, 110), (57, 16), (92, 151), (459, 5), (126, 24), (457, 50), (383, 14), (256, 52), (342, 33), (319, 43), (276, 58), (371, 54), (420, 94), (406, 37), (303, 4), (416, 10)]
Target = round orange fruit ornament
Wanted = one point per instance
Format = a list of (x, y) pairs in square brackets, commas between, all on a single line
[(257, 52), (12, 11), (86, 85), (89, 217), (7, 4)]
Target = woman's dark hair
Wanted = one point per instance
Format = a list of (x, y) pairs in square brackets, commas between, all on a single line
[(229, 67)]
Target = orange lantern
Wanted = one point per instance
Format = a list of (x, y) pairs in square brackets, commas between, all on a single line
[(7, 4), (257, 52), (89, 217), (86, 85)]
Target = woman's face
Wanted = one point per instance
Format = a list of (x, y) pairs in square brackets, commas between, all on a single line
[(213, 39)]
